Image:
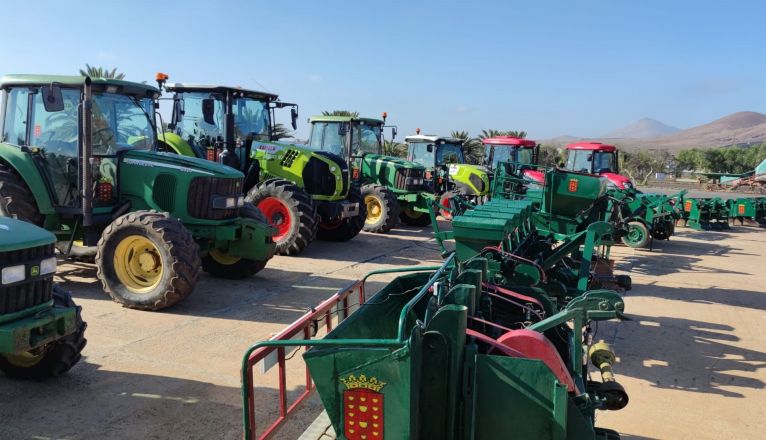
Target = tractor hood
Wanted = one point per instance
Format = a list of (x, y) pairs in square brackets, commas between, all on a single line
[(470, 179), (396, 162), (179, 164), (618, 180), (16, 235)]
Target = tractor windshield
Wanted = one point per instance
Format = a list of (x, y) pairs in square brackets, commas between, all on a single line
[(121, 122), (365, 138), (494, 154), (591, 161), (190, 122), (418, 153), (449, 153), (251, 117)]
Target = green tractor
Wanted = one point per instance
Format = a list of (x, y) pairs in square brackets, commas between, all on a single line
[(303, 193), (393, 188), (41, 330), (77, 158), (447, 173)]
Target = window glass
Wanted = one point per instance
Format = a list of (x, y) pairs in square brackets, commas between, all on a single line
[(251, 117), (603, 162), (15, 126), (331, 140), (420, 155), (120, 122), (365, 139), (580, 161), (192, 126), (449, 153), (317, 129), (56, 132)]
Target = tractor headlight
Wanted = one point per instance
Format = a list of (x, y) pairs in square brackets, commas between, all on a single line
[(14, 274), (413, 181), (222, 202), (48, 266)]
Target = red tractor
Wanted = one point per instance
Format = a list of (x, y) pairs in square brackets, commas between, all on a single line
[(597, 158), (504, 149)]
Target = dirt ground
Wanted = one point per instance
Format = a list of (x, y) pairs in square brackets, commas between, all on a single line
[(692, 356)]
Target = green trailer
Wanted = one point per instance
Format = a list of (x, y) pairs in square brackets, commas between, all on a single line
[(303, 193), (41, 331), (78, 158), (393, 188)]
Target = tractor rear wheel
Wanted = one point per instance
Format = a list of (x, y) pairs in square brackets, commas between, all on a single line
[(444, 202), (16, 200), (347, 228), (637, 236), (147, 260), (289, 209), (410, 217), (54, 358), (382, 208), (222, 265)]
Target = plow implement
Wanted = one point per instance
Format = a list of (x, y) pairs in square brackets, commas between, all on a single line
[(704, 214)]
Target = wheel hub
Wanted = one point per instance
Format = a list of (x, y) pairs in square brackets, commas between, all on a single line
[(137, 264)]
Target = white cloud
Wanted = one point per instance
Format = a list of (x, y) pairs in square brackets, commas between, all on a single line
[(461, 109), (315, 78)]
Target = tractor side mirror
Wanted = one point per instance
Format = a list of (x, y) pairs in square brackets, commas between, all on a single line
[(590, 158), (393, 133), (294, 117), (342, 129), (430, 148), (53, 99), (208, 110)]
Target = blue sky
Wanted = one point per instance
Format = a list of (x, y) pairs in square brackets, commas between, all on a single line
[(549, 67)]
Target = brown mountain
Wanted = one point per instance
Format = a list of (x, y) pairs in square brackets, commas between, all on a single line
[(734, 129)]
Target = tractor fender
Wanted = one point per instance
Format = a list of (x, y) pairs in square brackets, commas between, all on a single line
[(176, 144), (24, 166)]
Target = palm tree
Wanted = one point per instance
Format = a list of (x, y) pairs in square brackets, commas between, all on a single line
[(473, 148), (392, 148), (341, 113), (521, 134), (494, 133), (100, 72), (280, 132)]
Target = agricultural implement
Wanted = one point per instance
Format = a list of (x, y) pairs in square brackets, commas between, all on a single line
[(494, 343), (646, 216), (41, 330), (77, 158), (303, 193), (750, 210), (447, 174), (705, 213)]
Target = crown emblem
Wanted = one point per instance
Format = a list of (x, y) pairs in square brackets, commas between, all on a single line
[(352, 382)]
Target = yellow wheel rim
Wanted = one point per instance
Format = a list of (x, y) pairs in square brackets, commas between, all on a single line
[(223, 258), (24, 360), (412, 214), (138, 264), (374, 209)]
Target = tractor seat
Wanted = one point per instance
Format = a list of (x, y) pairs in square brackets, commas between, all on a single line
[(535, 345)]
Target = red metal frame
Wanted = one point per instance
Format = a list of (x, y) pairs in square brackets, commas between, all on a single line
[(304, 324)]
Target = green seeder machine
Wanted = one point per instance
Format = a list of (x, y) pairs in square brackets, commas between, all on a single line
[(750, 210), (705, 213), (493, 343)]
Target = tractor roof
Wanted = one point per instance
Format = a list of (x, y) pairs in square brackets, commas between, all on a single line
[(123, 87), (433, 138), (591, 146), (189, 87), (344, 119), (509, 140)]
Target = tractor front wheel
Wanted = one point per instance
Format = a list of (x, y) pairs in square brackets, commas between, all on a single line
[(410, 217), (147, 260), (289, 209), (55, 358), (382, 208), (347, 228), (16, 200), (637, 236), (222, 265)]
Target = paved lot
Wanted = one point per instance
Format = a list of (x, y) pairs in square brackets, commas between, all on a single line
[(693, 355)]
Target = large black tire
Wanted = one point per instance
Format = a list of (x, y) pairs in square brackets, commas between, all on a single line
[(414, 218), (289, 209), (382, 209), (223, 266), (347, 228), (16, 200), (55, 358), (147, 238)]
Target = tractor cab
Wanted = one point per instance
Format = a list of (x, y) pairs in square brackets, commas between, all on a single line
[(597, 158), (509, 149), (446, 168), (347, 136), (220, 123)]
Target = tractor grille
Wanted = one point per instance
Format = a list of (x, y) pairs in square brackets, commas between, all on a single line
[(32, 291), (405, 175), (201, 193), (164, 191)]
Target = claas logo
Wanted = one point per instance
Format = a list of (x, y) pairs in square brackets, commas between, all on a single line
[(573, 183)]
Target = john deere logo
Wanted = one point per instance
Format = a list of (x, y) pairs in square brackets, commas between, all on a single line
[(34, 271), (573, 183), (363, 408)]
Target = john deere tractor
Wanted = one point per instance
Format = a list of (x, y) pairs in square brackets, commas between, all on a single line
[(392, 188), (303, 193), (41, 330), (447, 174), (77, 157)]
